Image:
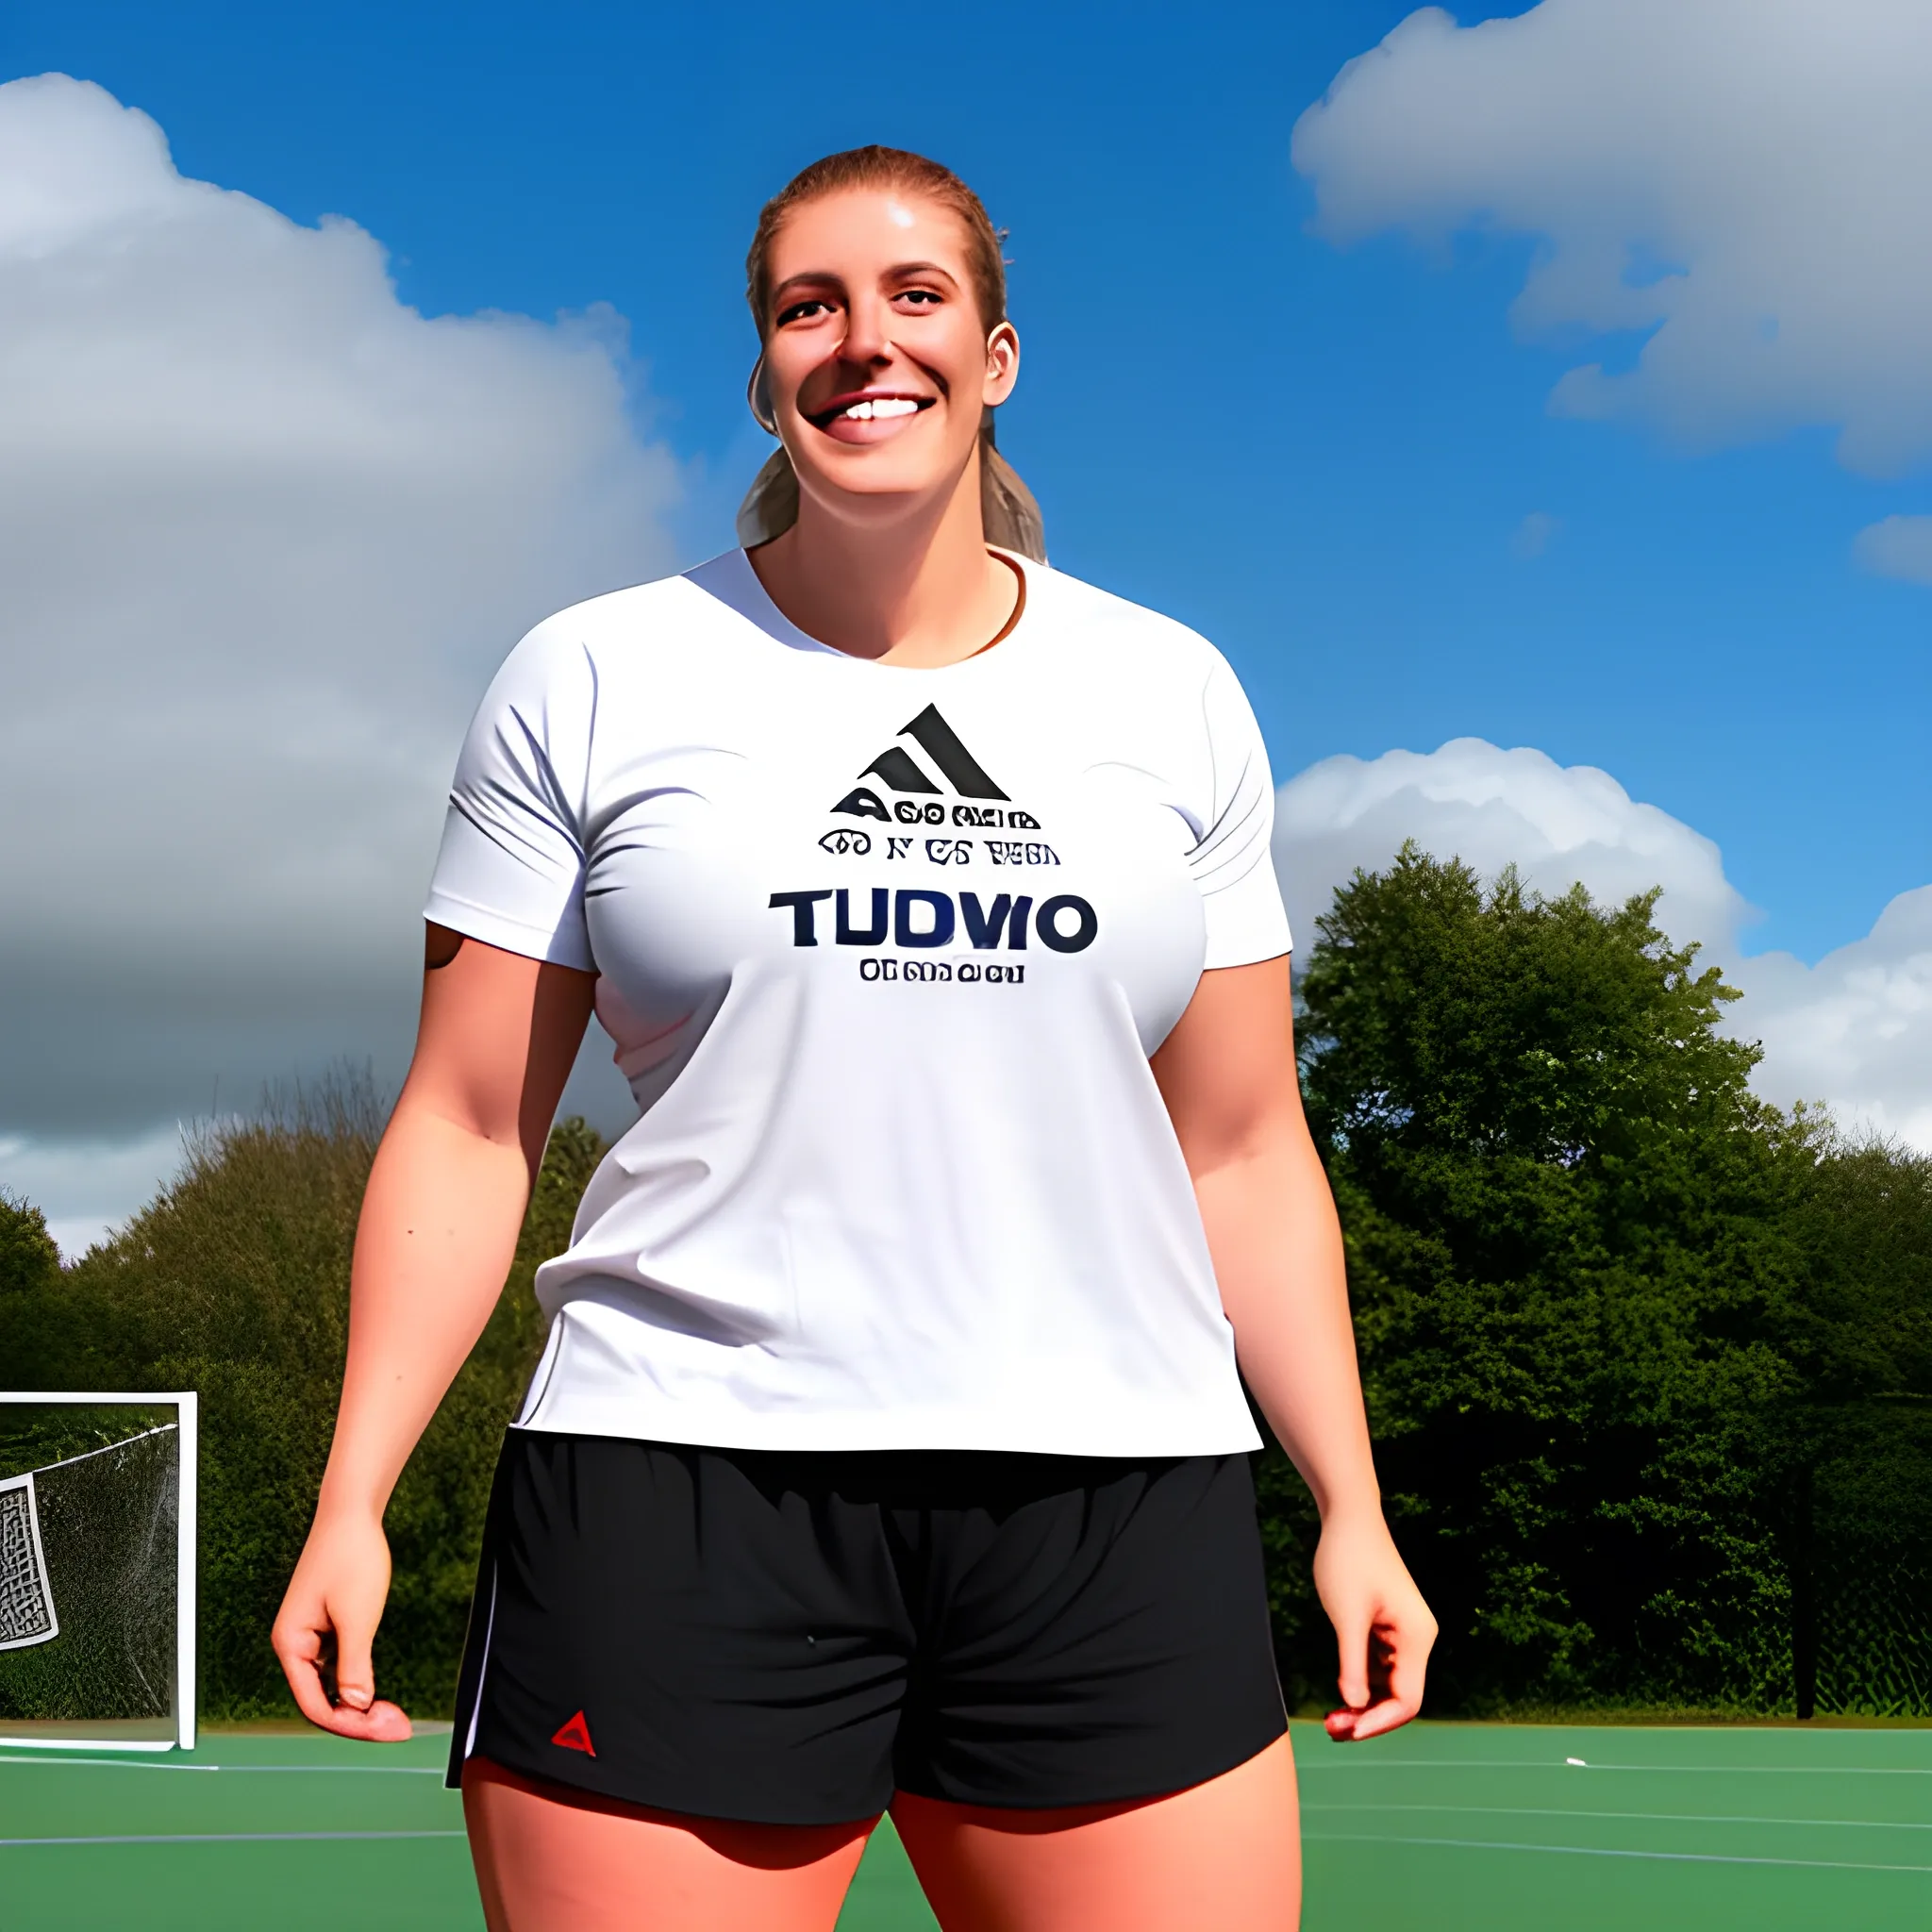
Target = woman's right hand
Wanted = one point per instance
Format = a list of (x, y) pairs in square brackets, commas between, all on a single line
[(325, 1629), (436, 1238)]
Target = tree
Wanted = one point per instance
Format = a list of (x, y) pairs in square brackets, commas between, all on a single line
[(1567, 1248), (1858, 1440), (29, 1271), (29, 1261)]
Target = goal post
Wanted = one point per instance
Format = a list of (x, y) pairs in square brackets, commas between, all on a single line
[(97, 1571)]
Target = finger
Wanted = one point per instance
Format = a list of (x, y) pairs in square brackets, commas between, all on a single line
[(355, 1663), (1408, 1663), (1387, 1715), (388, 1723), (1397, 1649), (1352, 1646), (383, 1722), (299, 1651)]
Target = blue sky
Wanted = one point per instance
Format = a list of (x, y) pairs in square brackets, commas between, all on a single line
[(1302, 344), (1318, 456)]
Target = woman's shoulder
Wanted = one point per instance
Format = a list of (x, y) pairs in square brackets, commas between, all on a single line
[(664, 616)]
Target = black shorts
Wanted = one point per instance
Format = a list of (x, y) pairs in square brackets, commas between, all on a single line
[(789, 1637)]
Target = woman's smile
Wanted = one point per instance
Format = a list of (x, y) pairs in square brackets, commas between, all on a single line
[(870, 415)]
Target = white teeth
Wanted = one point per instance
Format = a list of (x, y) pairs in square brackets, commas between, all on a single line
[(881, 406)]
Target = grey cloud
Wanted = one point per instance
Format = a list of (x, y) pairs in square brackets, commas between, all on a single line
[(264, 532)]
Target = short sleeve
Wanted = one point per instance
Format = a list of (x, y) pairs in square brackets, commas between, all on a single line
[(510, 871), (1231, 861)]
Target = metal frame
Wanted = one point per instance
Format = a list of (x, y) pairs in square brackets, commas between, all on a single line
[(187, 1417)]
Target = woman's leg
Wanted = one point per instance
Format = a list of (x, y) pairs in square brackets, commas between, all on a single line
[(1225, 1854), (553, 1859)]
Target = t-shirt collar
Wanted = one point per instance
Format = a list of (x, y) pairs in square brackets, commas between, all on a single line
[(730, 578)]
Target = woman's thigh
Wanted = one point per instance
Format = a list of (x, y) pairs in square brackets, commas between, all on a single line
[(1225, 1854), (550, 1860)]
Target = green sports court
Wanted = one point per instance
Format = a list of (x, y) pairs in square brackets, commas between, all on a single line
[(1441, 1826)]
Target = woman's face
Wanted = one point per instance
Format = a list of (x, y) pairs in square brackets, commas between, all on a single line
[(878, 361)]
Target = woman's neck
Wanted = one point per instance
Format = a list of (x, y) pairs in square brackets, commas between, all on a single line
[(922, 591)]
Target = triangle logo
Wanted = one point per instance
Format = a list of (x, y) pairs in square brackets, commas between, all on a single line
[(947, 766), (576, 1736)]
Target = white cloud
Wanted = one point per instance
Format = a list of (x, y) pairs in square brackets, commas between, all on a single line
[(1746, 178), (1492, 807), (264, 532), (1896, 547), (1535, 534), (1856, 1028), (1854, 1031)]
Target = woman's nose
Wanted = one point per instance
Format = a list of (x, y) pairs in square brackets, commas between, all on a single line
[(868, 336)]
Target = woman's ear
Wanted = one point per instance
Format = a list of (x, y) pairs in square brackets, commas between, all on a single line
[(757, 392), (1001, 364)]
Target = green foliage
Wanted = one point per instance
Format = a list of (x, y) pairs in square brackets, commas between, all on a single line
[(29, 1261), (1602, 1299), (1649, 1362), (1860, 1443), (235, 1282)]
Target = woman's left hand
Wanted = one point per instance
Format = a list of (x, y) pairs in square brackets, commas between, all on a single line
[(1382, 1625), (1228, 1074)]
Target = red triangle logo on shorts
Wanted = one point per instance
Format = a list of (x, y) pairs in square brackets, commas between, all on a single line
[(576, 1736)]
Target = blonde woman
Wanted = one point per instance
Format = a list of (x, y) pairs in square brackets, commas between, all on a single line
[(889, 1450)]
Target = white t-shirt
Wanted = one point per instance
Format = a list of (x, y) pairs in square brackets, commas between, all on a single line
[(885, 952)]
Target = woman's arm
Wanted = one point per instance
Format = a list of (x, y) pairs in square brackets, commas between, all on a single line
[(1228, 1074), (438, 1232)]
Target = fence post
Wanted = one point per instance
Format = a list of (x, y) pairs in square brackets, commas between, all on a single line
[(1803, 1601)]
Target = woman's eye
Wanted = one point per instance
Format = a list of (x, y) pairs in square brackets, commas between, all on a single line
[(804, 312)]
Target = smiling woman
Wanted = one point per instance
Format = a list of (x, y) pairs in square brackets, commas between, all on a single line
[(888, 1448), (944, 324)]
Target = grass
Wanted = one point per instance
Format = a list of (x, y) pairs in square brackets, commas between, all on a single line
[(1593, 1828), (1447, 1825)]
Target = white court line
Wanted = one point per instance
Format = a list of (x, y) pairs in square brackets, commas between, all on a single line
[(1479, 1844), (1550, 1764), (225, 1837), (1640, 1816), (317, 1770), (333, 1770)]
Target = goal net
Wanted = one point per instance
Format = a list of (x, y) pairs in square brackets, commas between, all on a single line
[(97, 1571)]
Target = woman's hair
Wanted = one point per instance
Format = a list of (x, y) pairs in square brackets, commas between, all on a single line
[(881, 167), (1008, 512)]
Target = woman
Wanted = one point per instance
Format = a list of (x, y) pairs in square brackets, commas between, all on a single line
[(889, 1446)]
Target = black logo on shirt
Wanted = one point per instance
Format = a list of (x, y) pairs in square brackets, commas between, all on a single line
[(923, 783), (929, 783), (920, 920)]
